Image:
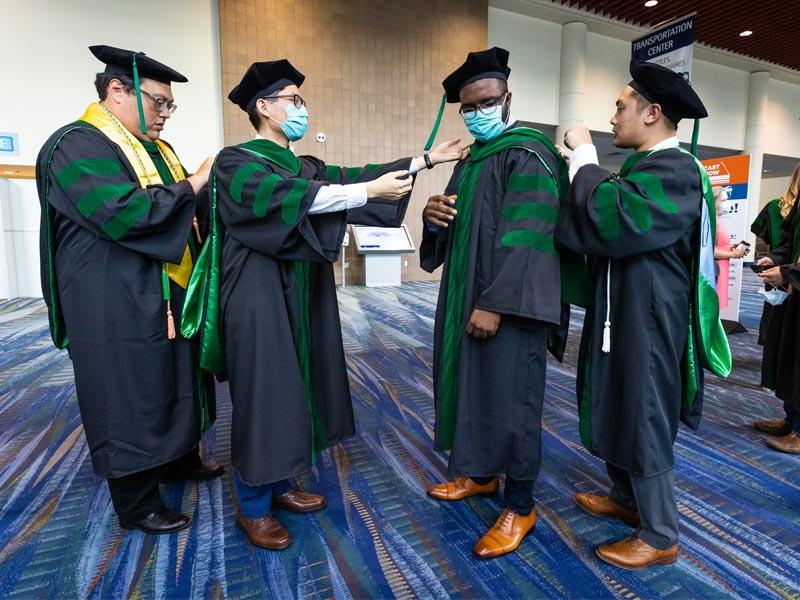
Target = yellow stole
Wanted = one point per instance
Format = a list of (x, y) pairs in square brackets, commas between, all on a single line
[(145, 170)]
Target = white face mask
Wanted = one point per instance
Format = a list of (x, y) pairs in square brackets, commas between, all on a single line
[(775, 296)]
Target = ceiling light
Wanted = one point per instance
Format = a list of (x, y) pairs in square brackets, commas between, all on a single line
[(651, 3), (746, 33)]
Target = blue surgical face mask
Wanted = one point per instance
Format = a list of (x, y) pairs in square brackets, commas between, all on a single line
[(296, 123), (775, 296), (485, 127)]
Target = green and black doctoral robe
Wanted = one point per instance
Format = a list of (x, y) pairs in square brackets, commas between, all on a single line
[(787, 255), (278, 309), (103, 242), (767, 226), (651, 230), (498, 256)]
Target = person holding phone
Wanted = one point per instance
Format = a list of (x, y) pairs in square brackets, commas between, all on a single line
[(781, 269), (723, 249), (767, 227), (282, 219)]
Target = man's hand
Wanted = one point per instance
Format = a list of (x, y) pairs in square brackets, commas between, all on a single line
[(772, 276), (391, 186), (565, 154), (482, 323), (439, 211), (577, 136), (448, 151), (200, 177), (766, 260)]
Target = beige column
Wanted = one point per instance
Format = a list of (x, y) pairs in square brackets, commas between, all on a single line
[(754, 139), (573, 77)]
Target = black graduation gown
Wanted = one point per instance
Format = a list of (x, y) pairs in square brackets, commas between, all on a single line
[(501, 379), (137, 390), (787, 374), (643, 222), (767, 226), (269, 236)]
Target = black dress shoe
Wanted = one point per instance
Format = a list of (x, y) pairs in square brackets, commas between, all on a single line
[(201, 473), (160, 522)]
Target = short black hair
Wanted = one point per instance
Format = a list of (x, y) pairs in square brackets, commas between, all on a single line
[(642, 103), (102, 80), (255, 116)]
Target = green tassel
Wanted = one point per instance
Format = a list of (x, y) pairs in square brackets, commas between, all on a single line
[(695, 136), (142, 124), (165, 281), (435, 130)]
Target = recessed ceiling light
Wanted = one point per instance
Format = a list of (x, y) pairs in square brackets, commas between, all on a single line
[(746, 33), (651, 3)]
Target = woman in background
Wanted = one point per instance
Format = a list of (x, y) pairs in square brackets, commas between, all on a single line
[(767, 226), (723, 251)]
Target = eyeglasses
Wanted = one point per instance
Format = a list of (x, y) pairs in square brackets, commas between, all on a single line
[(161, 104), (484, 107), (297, 100)]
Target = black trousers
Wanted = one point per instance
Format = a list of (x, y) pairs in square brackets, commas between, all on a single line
[(137, 495), (518, 493), (792, 417)]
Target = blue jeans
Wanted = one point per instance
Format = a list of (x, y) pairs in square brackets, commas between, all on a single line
[(255, 500)]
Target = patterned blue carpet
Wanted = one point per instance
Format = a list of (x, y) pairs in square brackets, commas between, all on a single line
[(380, 535)]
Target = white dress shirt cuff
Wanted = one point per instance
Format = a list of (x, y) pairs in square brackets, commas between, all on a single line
[(335, 198), (585, 154)]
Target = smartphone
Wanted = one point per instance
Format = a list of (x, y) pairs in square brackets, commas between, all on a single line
[(759, 268)]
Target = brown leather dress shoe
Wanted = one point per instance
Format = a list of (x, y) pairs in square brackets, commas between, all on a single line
[(506, 534), (773, 426), (603, 506), (463, 487), (789, 443), (633, 553), (264, 533), (297, 501)]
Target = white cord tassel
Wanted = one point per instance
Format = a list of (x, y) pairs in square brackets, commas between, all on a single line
[(607, 325)]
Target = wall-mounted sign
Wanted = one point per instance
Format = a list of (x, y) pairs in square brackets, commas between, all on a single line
[(669, 46), (9, 144)]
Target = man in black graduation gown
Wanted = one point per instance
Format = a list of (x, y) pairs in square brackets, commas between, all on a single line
[(284, 218), (116, 253), (649, 234), (492, 229)]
